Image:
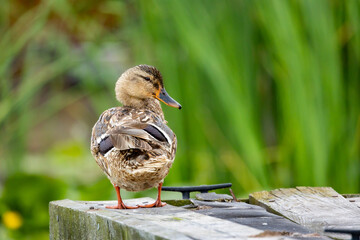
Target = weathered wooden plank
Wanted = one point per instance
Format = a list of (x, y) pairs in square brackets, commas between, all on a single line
[(255, 217), (315, 208), (90, 220), (355, 200)]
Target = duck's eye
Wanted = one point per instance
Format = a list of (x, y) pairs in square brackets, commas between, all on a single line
[(147, 78)]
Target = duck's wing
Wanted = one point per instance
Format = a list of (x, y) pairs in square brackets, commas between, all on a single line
[(132, 131)]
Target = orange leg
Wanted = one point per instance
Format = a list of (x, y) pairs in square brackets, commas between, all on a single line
[(158, 202), (121, 204)]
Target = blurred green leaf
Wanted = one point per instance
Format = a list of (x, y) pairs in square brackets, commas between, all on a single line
[(30, 195)]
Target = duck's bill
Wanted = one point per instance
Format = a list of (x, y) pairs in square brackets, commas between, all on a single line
[(165, 98)]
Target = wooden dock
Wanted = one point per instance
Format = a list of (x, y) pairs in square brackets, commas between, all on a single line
[(315, 208), (299, 213)]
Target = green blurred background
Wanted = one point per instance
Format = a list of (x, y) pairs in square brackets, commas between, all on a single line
[(269, 89)]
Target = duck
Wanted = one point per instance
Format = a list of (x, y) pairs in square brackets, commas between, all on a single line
[(132, 143)]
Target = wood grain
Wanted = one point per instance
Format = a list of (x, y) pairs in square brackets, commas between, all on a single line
[(255, 217), (315, 208), (91, 220)]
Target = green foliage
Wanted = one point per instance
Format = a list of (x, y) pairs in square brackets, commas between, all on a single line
[(30, 195), (269, 89), (264, 85)]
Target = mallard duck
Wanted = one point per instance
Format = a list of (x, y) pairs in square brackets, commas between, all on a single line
[(132, 144)]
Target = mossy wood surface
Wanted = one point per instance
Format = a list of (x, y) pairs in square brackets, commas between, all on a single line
[(91, 220), (309, 209)]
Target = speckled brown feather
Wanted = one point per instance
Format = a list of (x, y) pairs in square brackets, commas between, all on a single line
[(137, 161)]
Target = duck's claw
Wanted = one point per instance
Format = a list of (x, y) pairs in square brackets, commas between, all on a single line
[(157, 203)]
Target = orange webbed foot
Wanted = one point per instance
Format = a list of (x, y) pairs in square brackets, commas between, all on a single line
[(157, 203), (121, 204)]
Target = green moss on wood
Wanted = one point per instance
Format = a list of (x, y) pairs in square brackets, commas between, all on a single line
[(67, 223), (178, 203)]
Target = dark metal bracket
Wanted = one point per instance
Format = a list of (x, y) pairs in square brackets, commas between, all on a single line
[(203, 189)]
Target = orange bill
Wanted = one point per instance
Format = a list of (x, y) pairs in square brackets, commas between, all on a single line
[(165, 98)]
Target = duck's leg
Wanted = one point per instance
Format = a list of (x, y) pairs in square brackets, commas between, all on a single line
[(158, 202), (121, 204)]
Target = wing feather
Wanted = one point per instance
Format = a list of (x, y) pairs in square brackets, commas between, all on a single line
[(124, 142), (126, 129)]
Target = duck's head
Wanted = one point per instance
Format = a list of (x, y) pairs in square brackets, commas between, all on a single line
[(142, 82)]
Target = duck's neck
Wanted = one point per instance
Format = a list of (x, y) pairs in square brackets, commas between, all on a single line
[(150, 104)]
